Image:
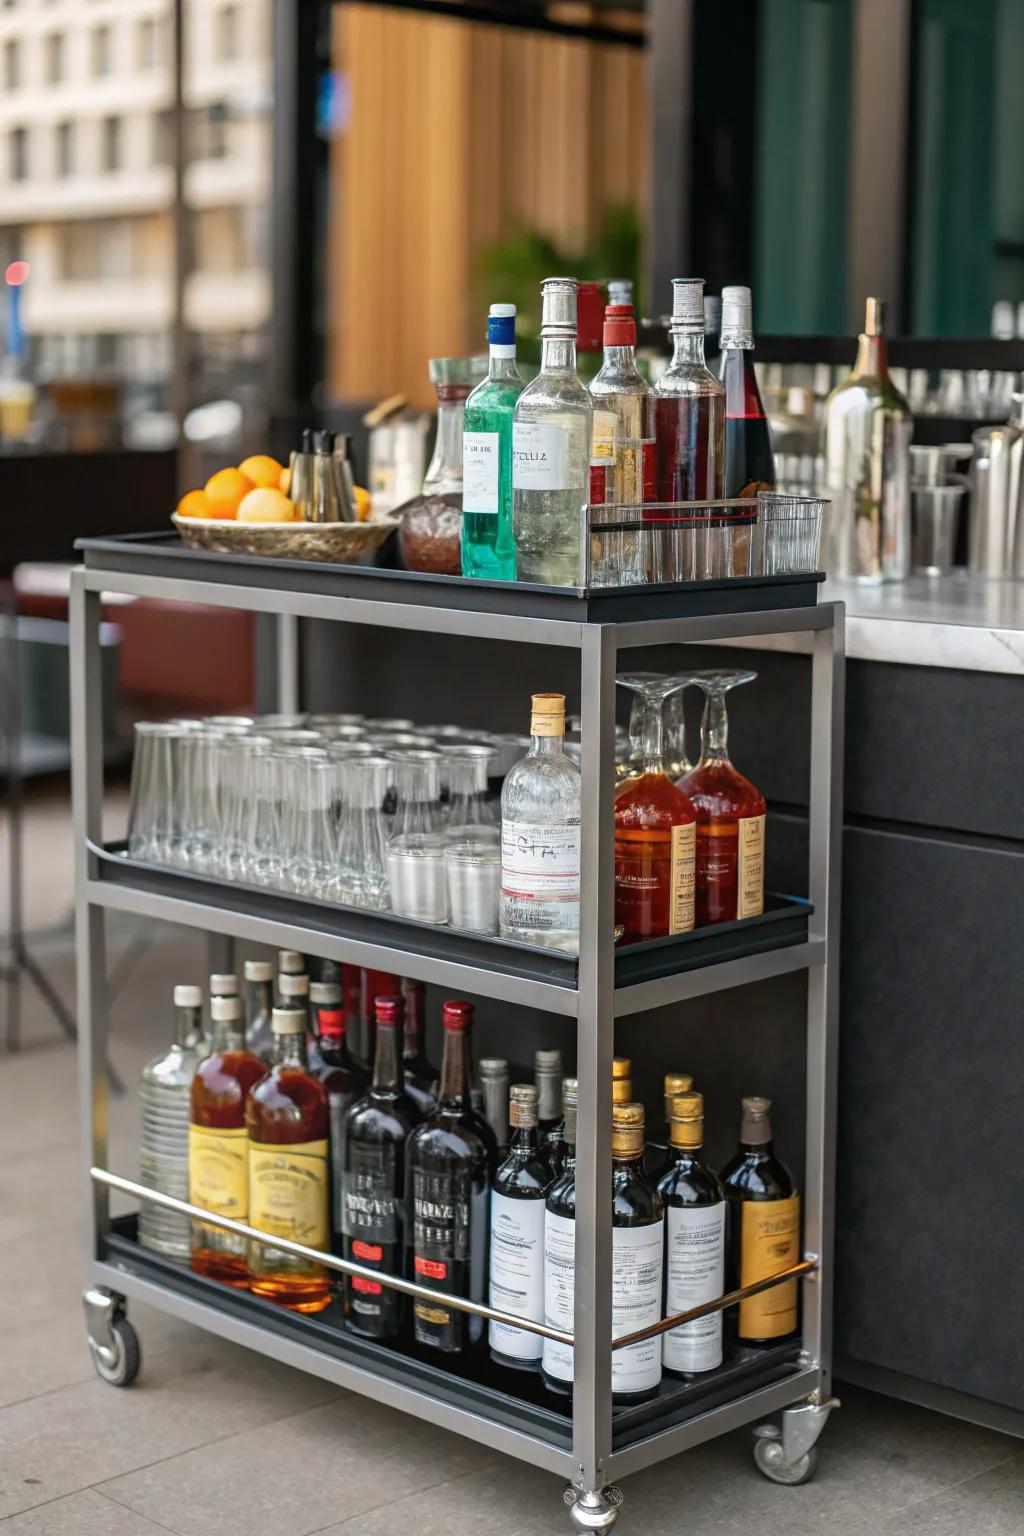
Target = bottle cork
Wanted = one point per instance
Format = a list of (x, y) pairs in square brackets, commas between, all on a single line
[(687, 1120), (627, 1130), (547, 714)]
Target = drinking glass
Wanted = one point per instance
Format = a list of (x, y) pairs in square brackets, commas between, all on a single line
[(308, 853), (416, 866), (200, 795), (473, 864), (360, 874), (333, 722), (463, 772), (788, 534), (153, 804), (265, 723), (263, 858), (241, 775)]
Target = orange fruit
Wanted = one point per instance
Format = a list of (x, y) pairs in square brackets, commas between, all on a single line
[(266, 505), (225, 490), (261, 469), (195, 504), (364, 506), (285, 482)]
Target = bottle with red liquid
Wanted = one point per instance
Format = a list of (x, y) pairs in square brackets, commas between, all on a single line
[(730, 812), (655, 831), (749, 462)]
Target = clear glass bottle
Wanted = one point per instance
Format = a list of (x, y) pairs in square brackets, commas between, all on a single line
[(430, 535), (762, 1229), (866, 437), (551, 451), (259, 976), (164, 1091), (749, 464), (488, 548), (689, 428), (694, 1242), (638, 1228), (622, 462), (540, 837), (560, 1251), (518, 1190)]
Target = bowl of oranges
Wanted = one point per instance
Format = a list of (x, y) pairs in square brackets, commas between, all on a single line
[(246, 510)]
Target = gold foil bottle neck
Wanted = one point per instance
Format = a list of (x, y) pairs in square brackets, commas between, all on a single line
[(874, 317), (627, 1130), (547, 714), (675, 1082), (621, 1067), (622, 1090), (522, 1106), (686, 1120)]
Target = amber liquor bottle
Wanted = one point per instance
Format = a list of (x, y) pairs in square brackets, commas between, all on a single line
[(518, 1191), (451, 1158), (218, 1145), (286, 1116), (762, 1229), (376, 1133)]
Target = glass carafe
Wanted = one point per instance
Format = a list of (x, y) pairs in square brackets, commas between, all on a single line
[(430, 537), (361, 878)]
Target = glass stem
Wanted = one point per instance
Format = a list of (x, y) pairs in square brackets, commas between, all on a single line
[(714, 728), (653, 733)]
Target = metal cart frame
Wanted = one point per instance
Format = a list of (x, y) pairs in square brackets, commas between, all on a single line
[(593, 1459)]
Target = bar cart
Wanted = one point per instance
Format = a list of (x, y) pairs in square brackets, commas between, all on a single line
[(588, 1441)]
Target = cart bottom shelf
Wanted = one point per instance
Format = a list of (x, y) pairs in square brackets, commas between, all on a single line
[(471, 1383)]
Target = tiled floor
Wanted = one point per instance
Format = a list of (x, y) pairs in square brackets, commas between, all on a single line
[(213, 1439)]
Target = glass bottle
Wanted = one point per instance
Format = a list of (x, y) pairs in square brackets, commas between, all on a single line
[(429, 538), (345, 1082), (259, 976), (658, 1157), (218, 1145), (694, 1244), (419, 1073), (622, 463), (372, 984), (551, 450), (866, 443), (494, 1085), (655, 832), (590, 305), (377, 1130), (689, 427), (518, 1190), (289, 963), (488, 548), (450, 1160), (547, 1077), (712, 331), (540, 837), (749, 464), (286, 1116), (730, 815), (560, 1251), (762, 1228), (164, 1090), (361, 878), (223, 984), (638, 1229)]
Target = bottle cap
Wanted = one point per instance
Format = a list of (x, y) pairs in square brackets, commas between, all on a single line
[(547, 714), (874, 317), (756, 1127), (621, 1067), (288, 1021), (225, 1008), (737, 310), (687, 1120), (589, 316), (388, 1009), (622, 1090), (627, 1130), (620, 290), (493, 1068), (307, 440), (324, 992), (188, 997), (619, 326), (675, 1082), (570, 1103), (522, 1105), (290, 960), (456, 1014), (259, 970), (331, 1023), (501, 325), (558, 317), (223, 984), (293, 986), (323, 442), (688, 304), (548, 1063)]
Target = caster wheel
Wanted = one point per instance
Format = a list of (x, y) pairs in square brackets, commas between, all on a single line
[(768, 1460), (593, 1511), (118, 1363)]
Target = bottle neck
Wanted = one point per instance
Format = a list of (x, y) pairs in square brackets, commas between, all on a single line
[(445, 472), (681, 1154), (688, 349), (227, 1035), (453, 1091), (412, 1030), (620, 359), (290, 1051), (386, 1069), (546, 746), (714, 730), (872, 358), (736, 341), (558, 354), (188, 1025), (524, 1142), (629, 1160), (501, 363), (261, 998)]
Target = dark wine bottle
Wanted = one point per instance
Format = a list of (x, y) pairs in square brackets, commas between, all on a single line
[(420, 1073), (762, 1229), (494, 1088), (638, 1244), (694, 1242), (518, 1191), (560, 1251), (345, 1082), (372, 984), (547, 1076), (377, 1129), (450, 1161), (749, 462)]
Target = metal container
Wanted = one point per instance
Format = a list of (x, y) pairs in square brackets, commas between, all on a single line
[(995, 500)]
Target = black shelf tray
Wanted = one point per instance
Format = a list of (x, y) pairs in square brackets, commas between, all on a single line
[(164, 555), (515, 1398), (783, 923)]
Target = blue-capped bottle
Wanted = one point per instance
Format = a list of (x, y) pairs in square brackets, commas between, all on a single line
[(488, 548)]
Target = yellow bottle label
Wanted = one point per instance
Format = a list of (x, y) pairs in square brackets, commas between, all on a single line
[(602, 441), (682, 895), (288, 1191), (218, 1170), (769, 1242), (750, 876)]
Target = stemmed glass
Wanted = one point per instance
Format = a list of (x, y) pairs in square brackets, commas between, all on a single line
[(730, 812), (655, 830)]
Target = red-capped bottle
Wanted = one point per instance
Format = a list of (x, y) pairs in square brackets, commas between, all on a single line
[(372, 984), (622, 460)]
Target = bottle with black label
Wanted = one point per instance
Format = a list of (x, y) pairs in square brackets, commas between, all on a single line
[(762, 1229), (494, 1086), (560, 1251), (694, 1242), (450, 1158), (377, 1129), (420, 1073), (638, 1252), (345, 1082), (518, 1190), (547, 1075)]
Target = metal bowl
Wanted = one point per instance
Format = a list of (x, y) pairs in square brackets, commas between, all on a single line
[(336, 543)]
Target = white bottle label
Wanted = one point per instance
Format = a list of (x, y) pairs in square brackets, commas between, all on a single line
[(637, 1257), (481, 463), (538, 456), (540, 876), (603, 446), (559, 1291), (517, 1273), (695, 1273)]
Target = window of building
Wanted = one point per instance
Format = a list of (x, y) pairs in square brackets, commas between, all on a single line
[(110, 144), (12, 64), (102, 50), (227, 35), (210, 131), (145, 43), (54, 58), (65, 156), (163, 138), (17, 154)]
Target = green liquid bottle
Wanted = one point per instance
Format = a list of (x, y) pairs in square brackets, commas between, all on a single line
[(488, 548)]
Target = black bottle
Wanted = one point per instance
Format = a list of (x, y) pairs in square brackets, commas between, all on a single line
[(419, 1072), (762, 1229), (560, 1251), (345, 1082), (547, 1076), (518, 1191), (638, 1253)]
